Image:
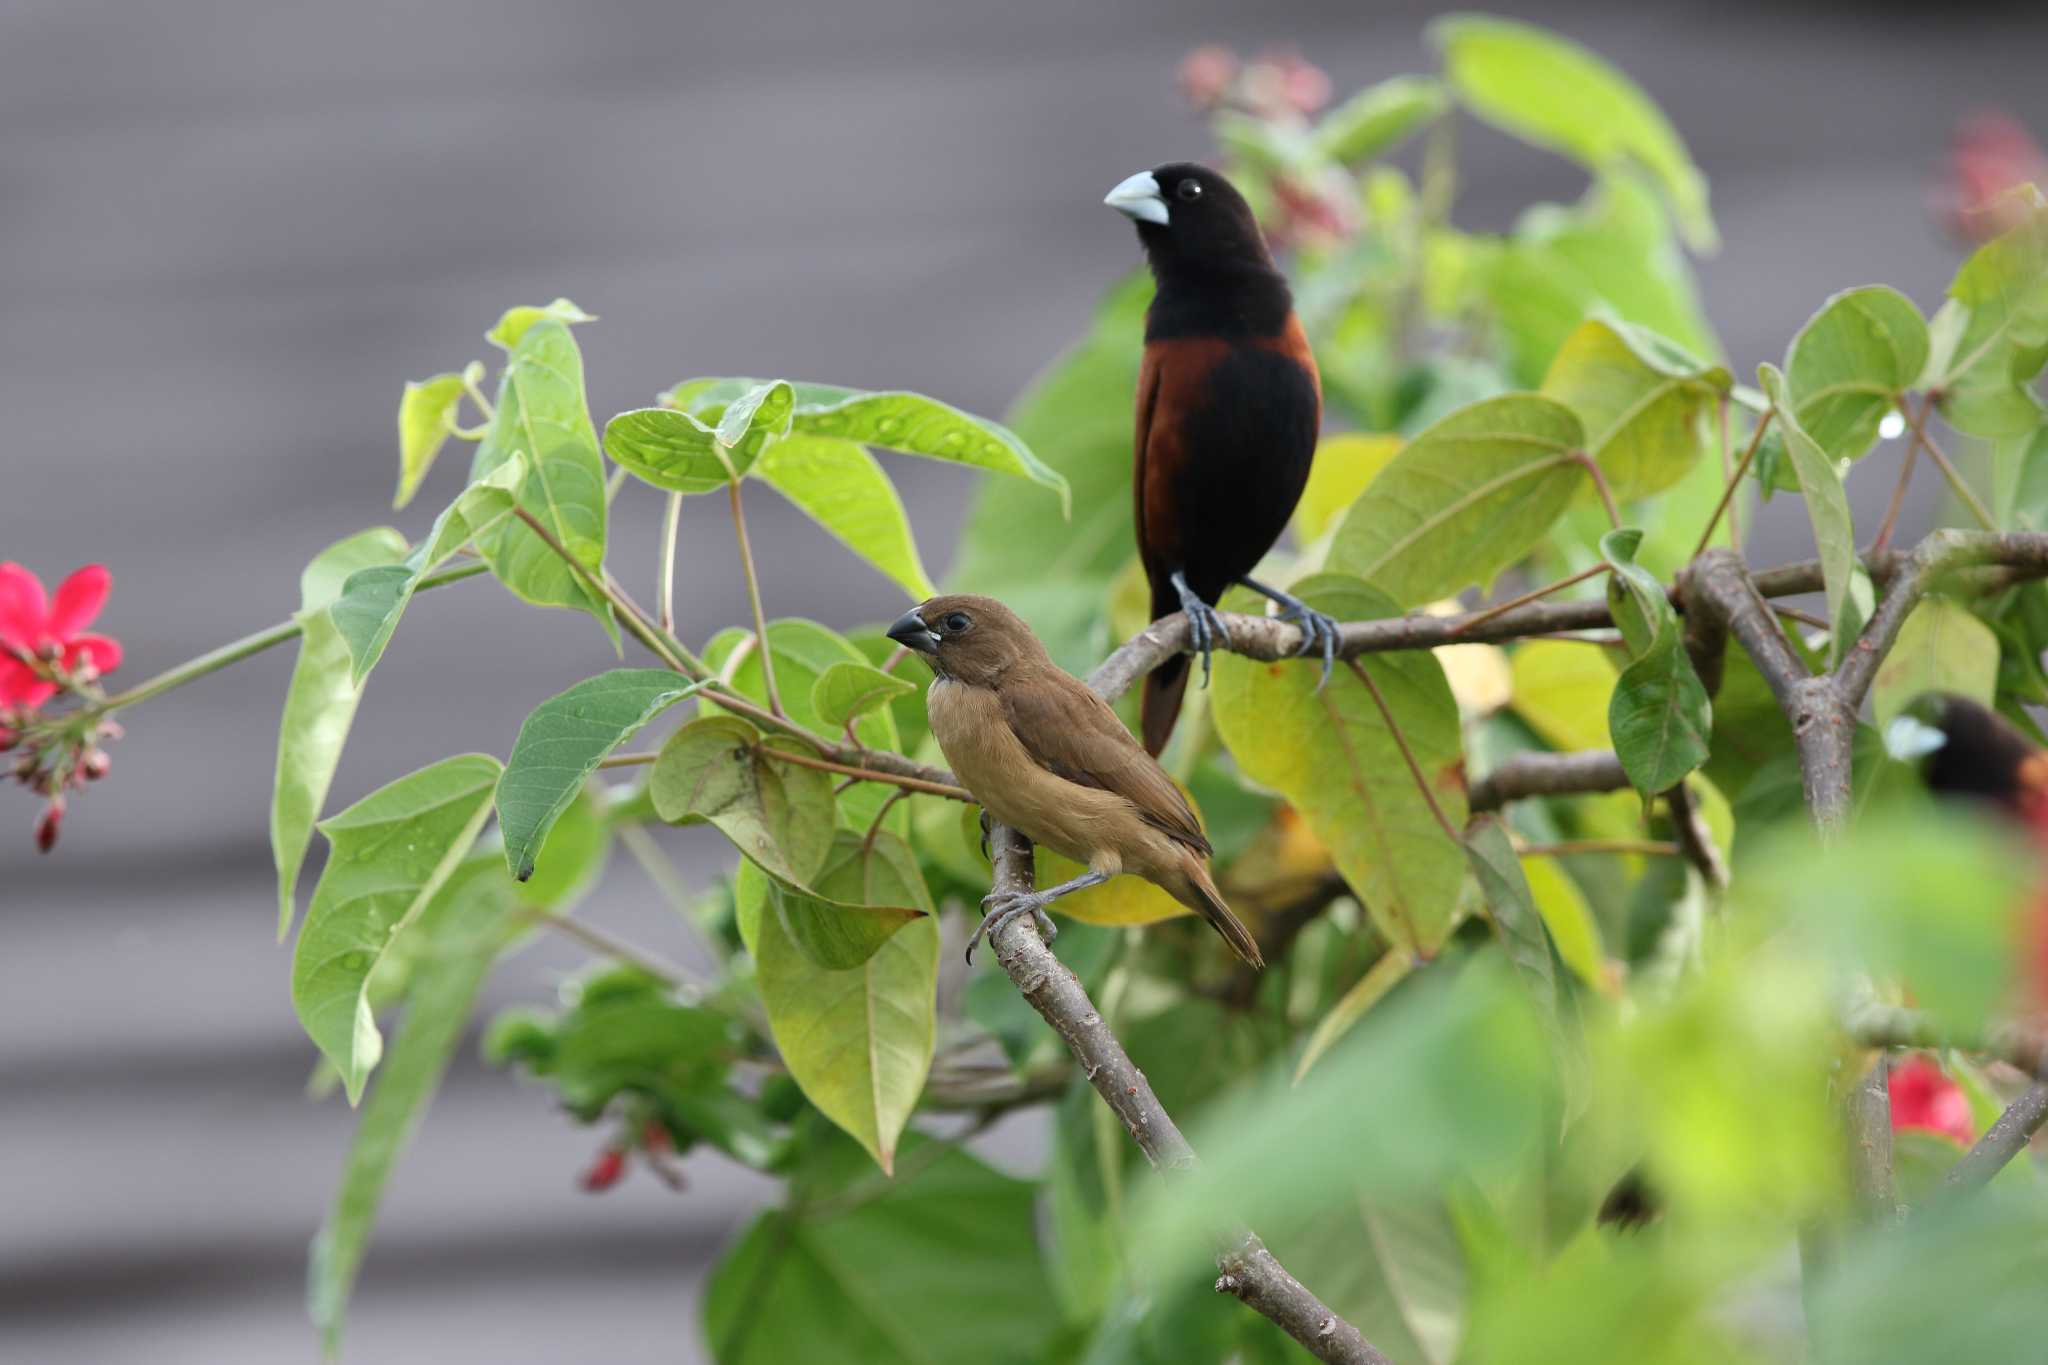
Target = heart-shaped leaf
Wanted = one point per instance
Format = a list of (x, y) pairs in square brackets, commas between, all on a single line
[(1643, 401), (718, 768), (847, 689)]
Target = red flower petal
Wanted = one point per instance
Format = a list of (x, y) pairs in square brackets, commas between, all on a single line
[(19, 686), (104, 650), (22, 607), (78, 601), (1923, 1097)]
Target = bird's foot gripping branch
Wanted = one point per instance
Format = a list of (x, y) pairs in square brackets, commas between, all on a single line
[(1579, 851)]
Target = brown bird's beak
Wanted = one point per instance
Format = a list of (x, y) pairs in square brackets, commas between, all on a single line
[(911, 632)]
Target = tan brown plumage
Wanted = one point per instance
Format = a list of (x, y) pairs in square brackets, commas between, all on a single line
[(1046, 756)]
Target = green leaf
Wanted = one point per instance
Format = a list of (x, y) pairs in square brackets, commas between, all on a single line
[(541, 414), (1643, 400), (462, 922), (518, 320), (1570, 921), (1352, 1006), (561, 743), (1942, 647), (1612, 251), (1827, 506), (1077, 417), (1660, 716), (1561, 691), (909, 423), (847, 689), (572, 859), (858, 1041), (804, 651), (426, 419), (864, 893), (718, 768), (372, 600), (1555, 94), (1463, 500), (1378, 118), (1846, 369), (1990, 341), (676, 451), (391, 853), (930, 1271), (842, 488), (1329, 752), (318, 707), (1512, 907)]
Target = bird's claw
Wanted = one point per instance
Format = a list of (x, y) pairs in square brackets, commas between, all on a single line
[(1004, 906), (1319, 634), (1205, 628), (985, 823)]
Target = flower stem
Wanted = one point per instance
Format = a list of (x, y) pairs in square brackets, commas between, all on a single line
[(739, 526), (668, 562), (237, 650)]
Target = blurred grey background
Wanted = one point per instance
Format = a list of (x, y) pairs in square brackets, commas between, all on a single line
[(230, 231)]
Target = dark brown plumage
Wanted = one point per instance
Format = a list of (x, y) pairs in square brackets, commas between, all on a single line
[(1229, 403), (1046, 756)]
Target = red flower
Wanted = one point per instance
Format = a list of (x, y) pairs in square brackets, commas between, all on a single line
[(605, 1171), (1991, 154), (1206, 75), (38, 627), (1924, 1098)]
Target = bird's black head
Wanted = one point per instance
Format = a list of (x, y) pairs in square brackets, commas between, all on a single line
[(1191, 220), (974, 640)]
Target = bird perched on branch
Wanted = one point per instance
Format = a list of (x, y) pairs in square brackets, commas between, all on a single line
[(1965, 749), (1046, 756), (1229, 403)]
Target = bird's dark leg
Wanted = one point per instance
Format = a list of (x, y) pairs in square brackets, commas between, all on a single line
[(1205, 627), (1004, 906), (985, 825), (1318, 632)]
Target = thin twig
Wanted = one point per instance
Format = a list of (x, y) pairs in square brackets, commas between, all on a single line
[(2002, 1141), (1756, 439), (1407, 755), (1248, 1270), (875, 825), (1891, 511), (1949, 471), (1480, 618), (1728, 476), (1649, 848), (600, 941), (1592, 468), (826, 765), (739, 526), (1695, 840)]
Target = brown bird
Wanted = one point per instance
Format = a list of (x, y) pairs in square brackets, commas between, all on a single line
[(1229, 405), (1046, 756)]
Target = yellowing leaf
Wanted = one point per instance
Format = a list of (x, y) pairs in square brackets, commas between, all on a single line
[(1561, 692), (1344, 465), (1941, 647), (1571, 923)]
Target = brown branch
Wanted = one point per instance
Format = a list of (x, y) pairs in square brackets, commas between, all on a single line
[(1248, 1270), (1943, 556), (2002, 1141), (1695, 840), (1525, 775), (1727, 501), (905, 781)]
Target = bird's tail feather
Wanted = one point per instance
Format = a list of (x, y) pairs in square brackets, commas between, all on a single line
[(1159, 704), (1208, 903)]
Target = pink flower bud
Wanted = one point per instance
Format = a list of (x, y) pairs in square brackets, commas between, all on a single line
[(1206, 74), (94, 765), (604, 1172)]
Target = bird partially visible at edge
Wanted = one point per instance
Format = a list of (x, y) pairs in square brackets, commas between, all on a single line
[(1229, 405), (1046, 756)]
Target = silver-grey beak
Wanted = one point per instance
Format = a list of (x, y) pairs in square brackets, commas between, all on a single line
[(1139, 197), (911, 632)]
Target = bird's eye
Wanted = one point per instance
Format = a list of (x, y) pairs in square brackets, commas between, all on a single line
[(1188, 191), (956, 622)]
